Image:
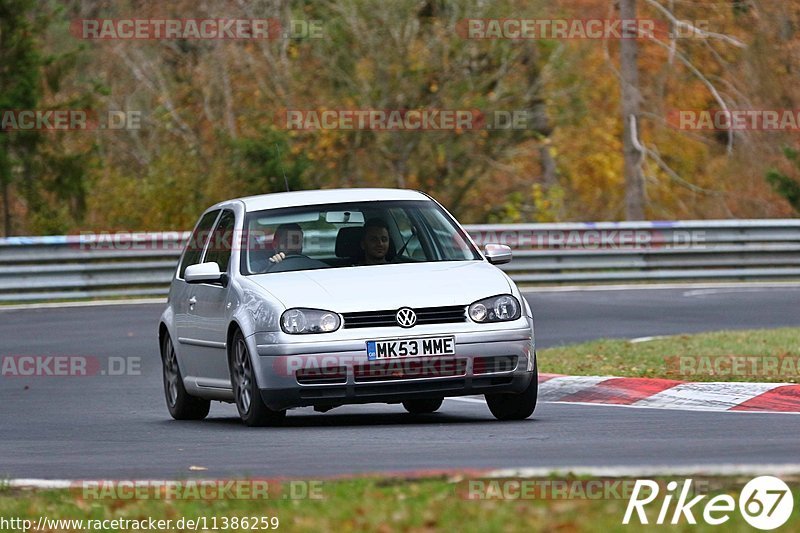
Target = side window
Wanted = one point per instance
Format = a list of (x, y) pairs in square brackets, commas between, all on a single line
[(219, 248), (194, 248)]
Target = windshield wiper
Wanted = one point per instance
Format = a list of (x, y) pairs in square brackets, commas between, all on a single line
[(403, 249)]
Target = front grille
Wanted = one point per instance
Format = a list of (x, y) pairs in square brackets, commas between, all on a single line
[(409, 369), (425, 315)]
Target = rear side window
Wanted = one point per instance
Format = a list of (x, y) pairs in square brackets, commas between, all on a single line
[(194, 248), (219, 248)]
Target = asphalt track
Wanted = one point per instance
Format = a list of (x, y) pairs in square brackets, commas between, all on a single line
[(118, 427)]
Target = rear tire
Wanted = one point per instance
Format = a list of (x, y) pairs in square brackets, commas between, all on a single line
[(424, 406), (515, 406), (181, 405), (252, 409)]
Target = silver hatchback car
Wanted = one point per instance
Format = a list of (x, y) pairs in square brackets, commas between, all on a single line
[(347, 296)]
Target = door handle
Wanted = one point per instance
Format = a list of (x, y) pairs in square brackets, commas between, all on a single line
[(192, 300)]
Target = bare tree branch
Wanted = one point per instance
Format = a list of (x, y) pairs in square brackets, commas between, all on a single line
[(687, 25), (707, 83)]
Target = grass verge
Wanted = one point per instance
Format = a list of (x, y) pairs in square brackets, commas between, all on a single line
[(374, 504), (771, 355)]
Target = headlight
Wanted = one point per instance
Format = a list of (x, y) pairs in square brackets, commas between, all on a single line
[(300, 321), (495, 309)]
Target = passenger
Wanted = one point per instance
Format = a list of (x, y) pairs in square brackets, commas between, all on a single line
[(375, 242)]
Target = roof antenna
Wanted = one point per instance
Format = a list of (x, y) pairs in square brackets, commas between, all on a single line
[(280, 162)]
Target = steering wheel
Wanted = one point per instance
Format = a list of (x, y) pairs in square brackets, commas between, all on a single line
[(292, 262)]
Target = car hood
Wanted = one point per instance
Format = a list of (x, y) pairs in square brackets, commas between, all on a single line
[(379, 287)]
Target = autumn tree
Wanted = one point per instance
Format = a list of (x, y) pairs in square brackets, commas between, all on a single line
[(785, 185), (20, 70), (596, 145)]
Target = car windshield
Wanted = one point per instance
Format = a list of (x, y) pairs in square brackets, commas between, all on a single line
[(351, 234)]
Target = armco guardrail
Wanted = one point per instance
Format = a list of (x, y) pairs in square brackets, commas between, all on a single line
[(88, 266), (142, 264)]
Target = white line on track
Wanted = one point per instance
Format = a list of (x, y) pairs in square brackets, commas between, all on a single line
[(655, 470), (90, 303), (637, 340), (638, 471), (662, 286)]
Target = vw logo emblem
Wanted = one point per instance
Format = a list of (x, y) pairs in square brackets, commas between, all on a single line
[(406, 317)]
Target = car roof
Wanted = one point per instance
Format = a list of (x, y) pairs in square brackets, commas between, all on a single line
[(324, 196)]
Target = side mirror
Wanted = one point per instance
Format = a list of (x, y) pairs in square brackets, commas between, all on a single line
[(497, 254), (205, 273)]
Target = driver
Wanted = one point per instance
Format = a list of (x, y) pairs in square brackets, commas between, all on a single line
[(375, 242), (288, 240)]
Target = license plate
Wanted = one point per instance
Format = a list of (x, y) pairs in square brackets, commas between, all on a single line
[(422, 347)]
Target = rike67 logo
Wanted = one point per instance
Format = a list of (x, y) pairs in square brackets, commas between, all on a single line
[(765, 503)]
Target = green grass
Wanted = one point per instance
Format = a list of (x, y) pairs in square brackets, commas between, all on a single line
[(383, 505), (658, 357)]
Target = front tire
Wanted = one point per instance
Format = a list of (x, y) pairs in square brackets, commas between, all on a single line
[(251, 407), (515, 406), (181, 405), (423, 407)]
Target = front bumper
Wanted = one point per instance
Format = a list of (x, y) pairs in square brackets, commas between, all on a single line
[(341, 373)]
